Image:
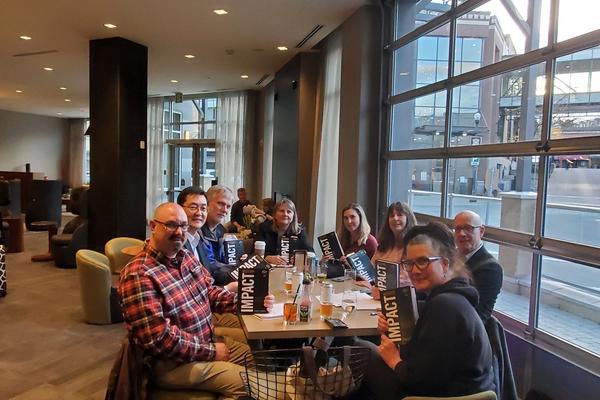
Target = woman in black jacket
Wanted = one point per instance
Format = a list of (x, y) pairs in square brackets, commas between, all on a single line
[(284, 223), (449, 353)]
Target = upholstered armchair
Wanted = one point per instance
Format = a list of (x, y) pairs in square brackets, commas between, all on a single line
[(98, 298), (75, 233), (113, 250)]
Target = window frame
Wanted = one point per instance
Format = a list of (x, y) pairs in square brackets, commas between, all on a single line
[(536, 243)]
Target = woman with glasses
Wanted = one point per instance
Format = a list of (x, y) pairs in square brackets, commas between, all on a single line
[(284, 223), (449, 353)]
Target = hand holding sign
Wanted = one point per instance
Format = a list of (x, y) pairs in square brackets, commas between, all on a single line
[(389, 352)]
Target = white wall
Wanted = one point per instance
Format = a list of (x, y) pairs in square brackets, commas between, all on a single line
[(35, 139)]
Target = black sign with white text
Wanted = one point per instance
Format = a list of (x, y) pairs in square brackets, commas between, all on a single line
[(330, 245), (234, 250), (253, 285), (361, 262), (387, 275), (399, 307)]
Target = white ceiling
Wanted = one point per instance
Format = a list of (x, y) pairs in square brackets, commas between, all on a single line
[(170, 29)]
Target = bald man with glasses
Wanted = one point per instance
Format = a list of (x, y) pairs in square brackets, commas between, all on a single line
[(485, 270), (168, 300)]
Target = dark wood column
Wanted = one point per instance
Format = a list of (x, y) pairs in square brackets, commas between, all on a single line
[(118, 106)]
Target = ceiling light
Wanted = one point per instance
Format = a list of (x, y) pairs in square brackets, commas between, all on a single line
[(244, 76), (220, 12), (67, 100), (62, 88), (25, 37), (110, 26), (174, 81), (59, 113), (190, 56), (282, 48), (48, 69), (19, 91)]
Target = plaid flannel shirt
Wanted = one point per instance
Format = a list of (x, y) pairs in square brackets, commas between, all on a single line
[(168, 305)]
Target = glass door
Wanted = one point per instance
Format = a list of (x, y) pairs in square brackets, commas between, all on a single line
[(191, 163)]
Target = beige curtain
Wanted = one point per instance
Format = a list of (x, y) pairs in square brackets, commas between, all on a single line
[(325, 161), (267, 181), (76, 150), (231, 121), (155, 193)]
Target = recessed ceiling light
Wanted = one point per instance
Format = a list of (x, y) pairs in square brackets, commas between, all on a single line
[(244, 76), (62, 88), (282, 48), (19, 91), (67, 100), (220, 12), (48, 69), (25, 37), (59, 113), (190, 56), (174, 81), (110, 26)]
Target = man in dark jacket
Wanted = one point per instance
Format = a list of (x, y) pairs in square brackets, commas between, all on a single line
[(485, 270)]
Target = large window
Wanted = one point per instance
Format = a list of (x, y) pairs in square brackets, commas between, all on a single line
[(496, 111)]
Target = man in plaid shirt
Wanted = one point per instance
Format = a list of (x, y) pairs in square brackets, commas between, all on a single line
[(168, 299)]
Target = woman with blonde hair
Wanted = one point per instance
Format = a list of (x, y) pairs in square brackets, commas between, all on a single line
[(284, 223), (355, 233)]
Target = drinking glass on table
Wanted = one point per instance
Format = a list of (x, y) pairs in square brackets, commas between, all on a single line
[(326, 310), (290, 313), (349, 278), (287, 282), (348, 302)]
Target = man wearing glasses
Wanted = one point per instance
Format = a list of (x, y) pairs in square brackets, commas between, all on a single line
[(194, 203), (485, 270), (168, 300)]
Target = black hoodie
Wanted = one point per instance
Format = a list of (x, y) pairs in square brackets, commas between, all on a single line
[(449, 354)]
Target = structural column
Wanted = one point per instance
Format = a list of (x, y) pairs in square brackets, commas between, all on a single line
[(118, 113)]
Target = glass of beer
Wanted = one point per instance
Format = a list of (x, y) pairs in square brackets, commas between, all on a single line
[(326, 310), (290, 313), (287, 282)]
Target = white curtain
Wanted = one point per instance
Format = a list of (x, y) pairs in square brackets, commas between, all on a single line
[(76, 152), (154, 156), (326, 157), (231, 123)]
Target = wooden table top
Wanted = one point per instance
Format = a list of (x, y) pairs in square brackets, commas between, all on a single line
[(360, 322), (132, 250)]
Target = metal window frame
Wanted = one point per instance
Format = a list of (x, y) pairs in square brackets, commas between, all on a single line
[(535, 243)]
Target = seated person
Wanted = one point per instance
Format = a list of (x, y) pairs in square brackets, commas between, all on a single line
[(237, 210), (355, 233), (219, 203), (168, 300), (284, 223), (486, 272), (399, 220), (449, 353)]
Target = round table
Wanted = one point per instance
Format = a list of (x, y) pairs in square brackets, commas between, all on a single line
[(52, 228)]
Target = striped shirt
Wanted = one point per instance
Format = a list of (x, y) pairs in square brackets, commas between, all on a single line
[(168, 305)]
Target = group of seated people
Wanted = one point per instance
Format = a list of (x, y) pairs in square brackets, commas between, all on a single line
[(179, 302)]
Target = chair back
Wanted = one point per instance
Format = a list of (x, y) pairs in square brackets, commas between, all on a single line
[(94, 286), (506, 388), (487, 395), (79, 201), (113, 250)]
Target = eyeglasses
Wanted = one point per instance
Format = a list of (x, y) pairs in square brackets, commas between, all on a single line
[(195, 207), (421, 263), (466, 228), (172, 226)]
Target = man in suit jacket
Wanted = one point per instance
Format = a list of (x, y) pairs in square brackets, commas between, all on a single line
[(485, 270)]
